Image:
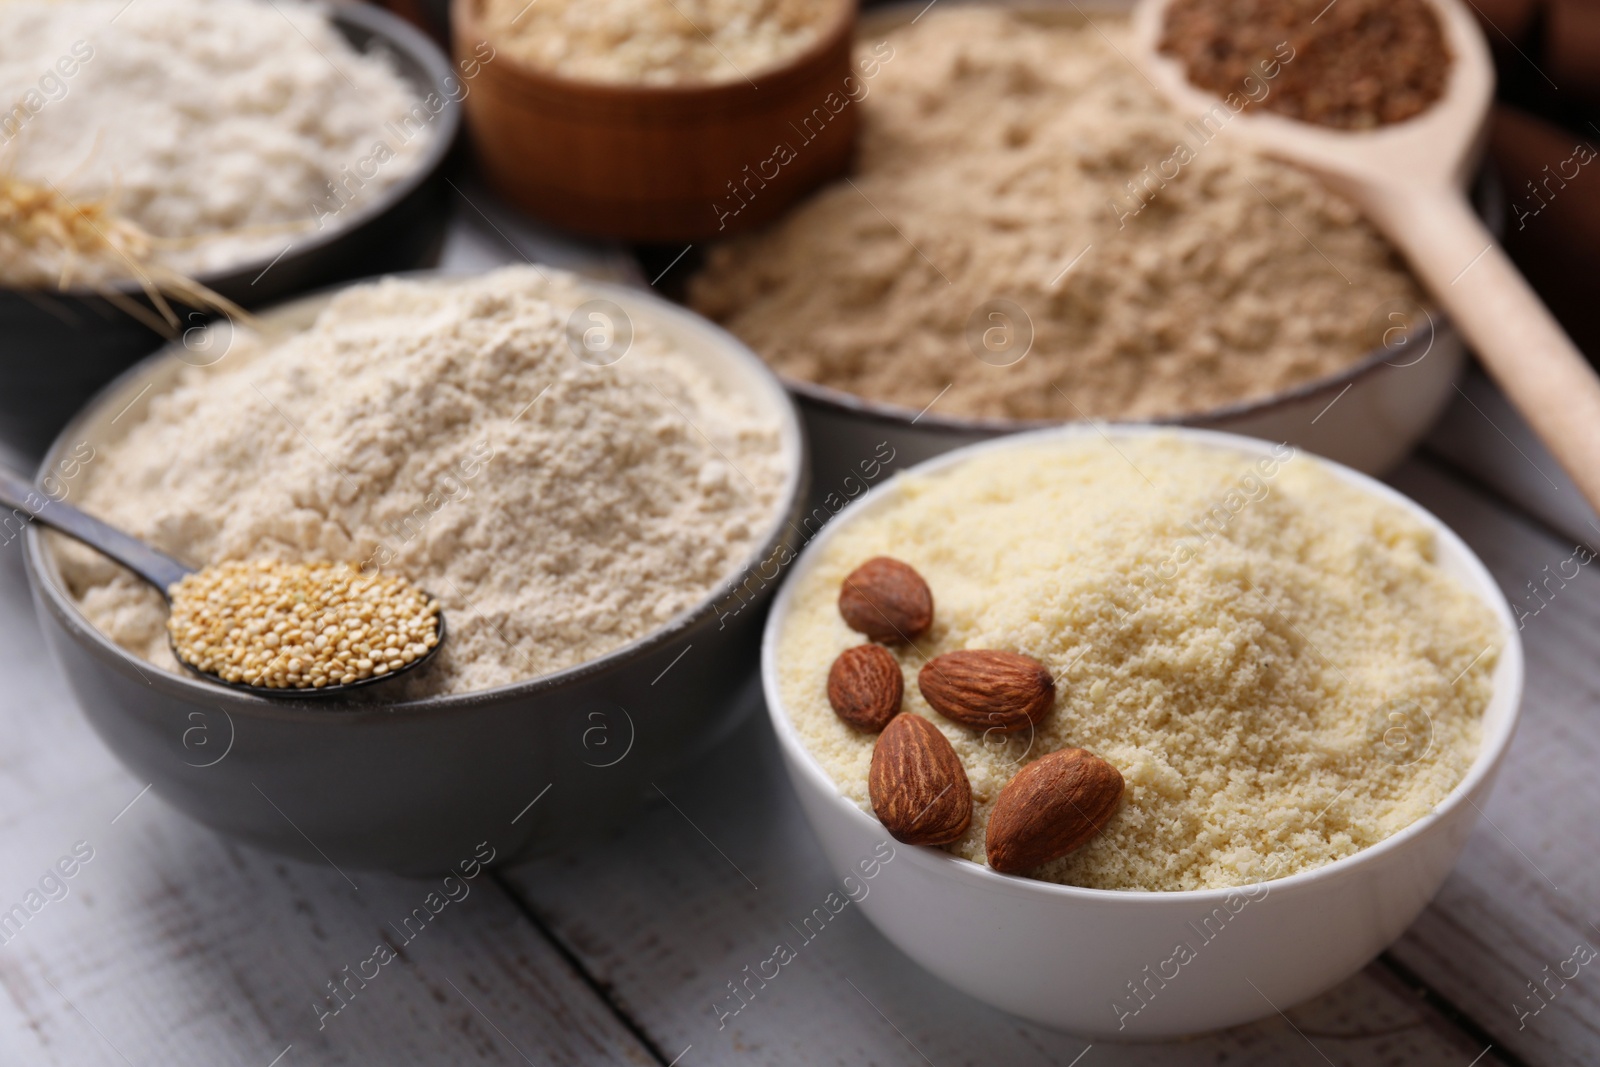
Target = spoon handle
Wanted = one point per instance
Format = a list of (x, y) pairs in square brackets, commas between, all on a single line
[(1514, 335), (31, 504)]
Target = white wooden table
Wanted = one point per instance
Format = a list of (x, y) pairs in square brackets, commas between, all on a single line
[(176, 947)]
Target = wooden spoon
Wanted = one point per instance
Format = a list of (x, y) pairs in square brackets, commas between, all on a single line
[(1410, 179)]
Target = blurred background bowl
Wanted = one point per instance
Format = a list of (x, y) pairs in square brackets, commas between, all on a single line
[(63, 345), (413, 786), (1385, 402), (655, 162)]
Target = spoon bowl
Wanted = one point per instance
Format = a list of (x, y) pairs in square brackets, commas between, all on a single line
[(1409, 179), (313, 692), (162, 571)]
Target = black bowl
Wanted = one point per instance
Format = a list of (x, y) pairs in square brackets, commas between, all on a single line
[(414, 786), (58, 347)]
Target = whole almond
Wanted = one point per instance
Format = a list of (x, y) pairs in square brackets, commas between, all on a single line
[(865, 687), (886, 600), (1052, 807), (918, 787), (988, 690)]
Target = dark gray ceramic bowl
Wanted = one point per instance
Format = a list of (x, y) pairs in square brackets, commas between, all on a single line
[(58, 347), (414, 787)]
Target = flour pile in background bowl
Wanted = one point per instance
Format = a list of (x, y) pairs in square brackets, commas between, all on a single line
[(1273, 658), (652, 42), (1018, 157), (445, 431), (222, 128)]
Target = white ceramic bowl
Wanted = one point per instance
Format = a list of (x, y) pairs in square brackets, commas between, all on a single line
[(1068, 957)]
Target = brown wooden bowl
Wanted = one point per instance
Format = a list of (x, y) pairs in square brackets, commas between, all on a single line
[(660, 162)]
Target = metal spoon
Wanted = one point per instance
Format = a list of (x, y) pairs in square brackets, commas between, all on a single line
[(1408, 178), (161, 571)]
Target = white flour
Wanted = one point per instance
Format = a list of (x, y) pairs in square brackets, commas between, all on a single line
[(219, 125), (446, 432)]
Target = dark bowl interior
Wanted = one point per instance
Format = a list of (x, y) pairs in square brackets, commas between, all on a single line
[(58, 347)]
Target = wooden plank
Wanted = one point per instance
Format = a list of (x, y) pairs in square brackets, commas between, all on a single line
[(1482, 434), (671, 911), (173, 946), (1527, 891)]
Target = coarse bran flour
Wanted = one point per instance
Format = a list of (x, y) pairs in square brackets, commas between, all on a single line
[(1362, 64), (1235, 636), (221, 127), (445, 430), (652, 42), (1020, 158)]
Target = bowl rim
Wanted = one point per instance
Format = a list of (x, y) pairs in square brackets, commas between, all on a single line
[(936, 862), (466, 17), (1436, 328), (43, 570), (396, 36)]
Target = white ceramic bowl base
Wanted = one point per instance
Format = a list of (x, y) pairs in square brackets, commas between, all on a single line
[(1119, 964)]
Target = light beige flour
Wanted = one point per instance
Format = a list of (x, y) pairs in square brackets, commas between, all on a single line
[(657, 42), (221, 127), (447, 432), (1233, 638), (996, 158)]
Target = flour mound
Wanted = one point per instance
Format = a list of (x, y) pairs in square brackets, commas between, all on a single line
[(446, 431), (1273, 659), (222, 128), (1006, 157)]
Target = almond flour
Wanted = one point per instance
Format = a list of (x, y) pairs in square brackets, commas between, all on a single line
[(220, 128), (1292, 683), (445, 431), (1019, 159)]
